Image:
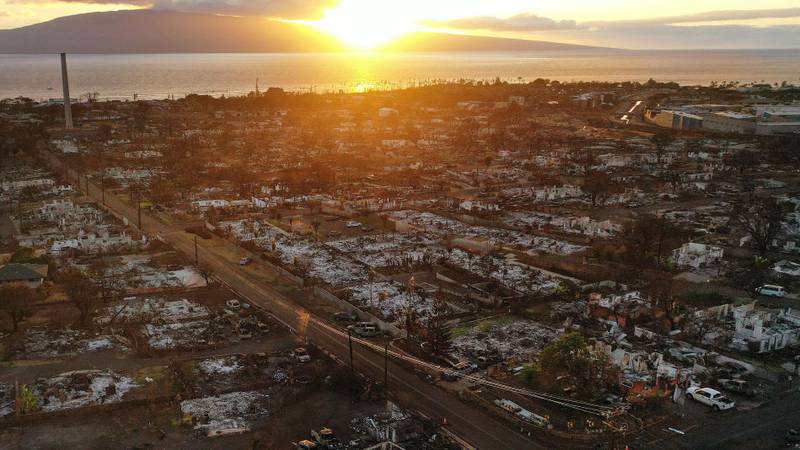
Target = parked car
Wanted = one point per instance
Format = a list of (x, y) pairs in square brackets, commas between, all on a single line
[(301, 355), (365, 329), (533, 418), (451, 375), (683, 355), (508, 405), (233, 304), (244, 261), (325, 437), (353, 224), (710, 397), (732, 369), (305, 444), (464, 366), (738, 386), (771, 290), (345, 317)]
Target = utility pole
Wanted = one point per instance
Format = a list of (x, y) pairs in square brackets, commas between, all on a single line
[(195, 251), (65, 87), (139, 208), (103, 185), (350, 341), (386, 366)]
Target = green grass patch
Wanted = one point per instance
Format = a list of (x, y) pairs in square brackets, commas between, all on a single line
[(483, 326)]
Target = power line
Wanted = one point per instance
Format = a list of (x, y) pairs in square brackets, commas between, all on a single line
[(590, 408)]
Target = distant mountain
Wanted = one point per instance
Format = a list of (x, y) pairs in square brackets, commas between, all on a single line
[(442, 42), (150, 31)]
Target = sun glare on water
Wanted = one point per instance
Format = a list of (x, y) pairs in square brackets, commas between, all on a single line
[(366, 24)]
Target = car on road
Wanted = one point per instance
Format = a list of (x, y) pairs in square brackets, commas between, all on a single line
[(301, 355), (710, 397), (771, 290), (244, 261), (353, 224)]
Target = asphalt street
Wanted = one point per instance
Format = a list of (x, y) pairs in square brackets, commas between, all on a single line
[(476, 427)]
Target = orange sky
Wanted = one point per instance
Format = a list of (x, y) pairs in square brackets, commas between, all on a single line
[(366, 23)]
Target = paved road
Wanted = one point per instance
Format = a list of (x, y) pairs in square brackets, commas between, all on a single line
[(760, 428), (478, 428)]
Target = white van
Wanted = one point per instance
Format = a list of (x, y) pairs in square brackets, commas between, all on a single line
[(533, 418), (508, 405), (366, 329), (771, 290)]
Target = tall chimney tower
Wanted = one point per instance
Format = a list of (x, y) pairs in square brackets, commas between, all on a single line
[(65, 84)]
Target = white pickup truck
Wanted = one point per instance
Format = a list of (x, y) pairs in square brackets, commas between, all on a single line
[(710, 397)]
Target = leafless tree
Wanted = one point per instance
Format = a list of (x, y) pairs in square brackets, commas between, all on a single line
[(16, 300), (83, 293)]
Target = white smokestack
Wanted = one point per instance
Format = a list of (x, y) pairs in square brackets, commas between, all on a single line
[(65, 83)]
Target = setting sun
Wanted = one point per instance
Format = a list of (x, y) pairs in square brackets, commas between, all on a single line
[(366, 24)]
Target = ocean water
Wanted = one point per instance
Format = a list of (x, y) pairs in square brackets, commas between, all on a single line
[(121, 76)]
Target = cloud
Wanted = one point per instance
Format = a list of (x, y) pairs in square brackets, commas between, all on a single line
[(527, 22), (703, 30), (714, 16), (519, 22)]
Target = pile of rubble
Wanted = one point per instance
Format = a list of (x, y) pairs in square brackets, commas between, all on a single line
[(45, 343), (82, 388), (184, 335), (391, 300), (390, 250), (319, 261), (153, 310), (226, 413), (522, 340), (517, 276), (137, 272)]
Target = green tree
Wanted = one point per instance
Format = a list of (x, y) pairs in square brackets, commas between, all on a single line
[(570, 359)]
